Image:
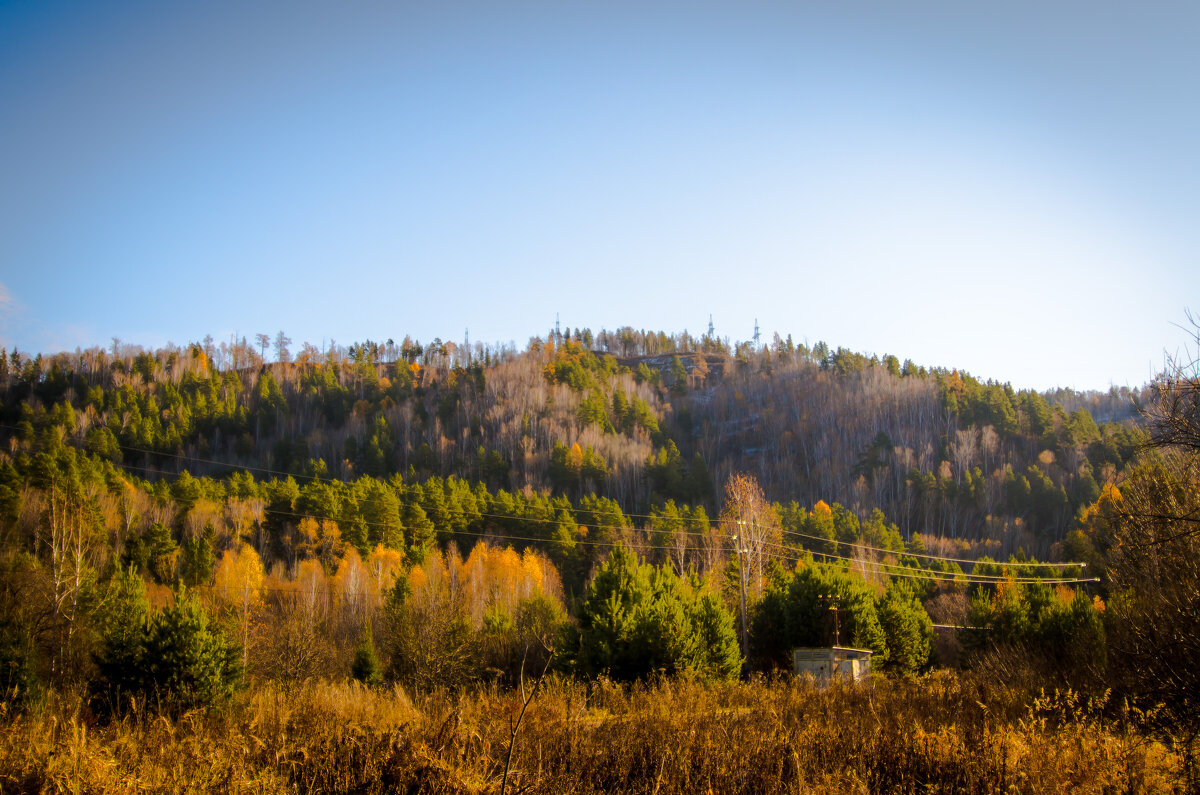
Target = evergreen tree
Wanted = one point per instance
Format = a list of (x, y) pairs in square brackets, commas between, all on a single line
[(366, 667), (124, 635), (907, 628), (198, 561), (638, 619), (189, 662), (175, 656), (19, 684), (821, 605)]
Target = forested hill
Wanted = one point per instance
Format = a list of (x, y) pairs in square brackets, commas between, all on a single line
[(633, 417)]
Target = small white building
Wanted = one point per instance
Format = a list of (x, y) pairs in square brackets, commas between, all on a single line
[(827, 664)]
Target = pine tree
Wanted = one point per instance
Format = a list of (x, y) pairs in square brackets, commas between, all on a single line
[(366, 667), (124, 628), (639, 619), (189, 663)]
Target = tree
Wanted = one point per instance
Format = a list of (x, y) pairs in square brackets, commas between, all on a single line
[(366, 667), (154, 552), (907, 628), (430, 639), (189, 662), (18, 676), (70, 522), (197, 561), (539, 620), (819, 605), (1151, 557), (124, 635), (638, 619), (678, 375), (719, 655), (1173, 412), (263, 341), (1057, 630), (1148, 532), (524, 640), (238, 582), (667, 533), (422, 535), (282, 341), (576, 466), (175, 656), (381, 513), (593, 410), (753, 525)]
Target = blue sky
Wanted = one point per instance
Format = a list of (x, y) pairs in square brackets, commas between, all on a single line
[(1006, 188)]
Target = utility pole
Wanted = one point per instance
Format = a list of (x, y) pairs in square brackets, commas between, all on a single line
[(742, 582), (833, 609)]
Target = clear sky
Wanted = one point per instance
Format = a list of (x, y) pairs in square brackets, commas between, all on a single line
[(1010, 188)]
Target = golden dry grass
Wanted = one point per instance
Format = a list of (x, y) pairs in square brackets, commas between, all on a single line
[(945, 733)]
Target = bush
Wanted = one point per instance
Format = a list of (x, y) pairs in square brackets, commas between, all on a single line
[(430, 642)]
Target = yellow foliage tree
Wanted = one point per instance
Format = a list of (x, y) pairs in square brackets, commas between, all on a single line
[(307, 535), (238, 584), (202, 516), (321, 540), (312, 589), (386, 566), (500, 578), (353, 587)]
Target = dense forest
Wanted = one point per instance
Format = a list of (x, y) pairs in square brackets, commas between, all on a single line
[(639, 418), (609, 506)]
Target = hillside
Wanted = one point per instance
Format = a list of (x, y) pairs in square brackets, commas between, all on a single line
[(181, 524), (655, 417)]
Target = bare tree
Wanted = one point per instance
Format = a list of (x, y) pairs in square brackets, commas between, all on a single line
[(753, 525), (263, 341), (964, 451), (1149, 532), (282, 354), (1173, 412)]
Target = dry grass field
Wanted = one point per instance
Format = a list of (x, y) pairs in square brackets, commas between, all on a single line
[(945, 733)]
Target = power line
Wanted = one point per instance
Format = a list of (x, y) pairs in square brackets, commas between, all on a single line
[(510, 517), (899, 570), (781, 552), (923, 555)]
